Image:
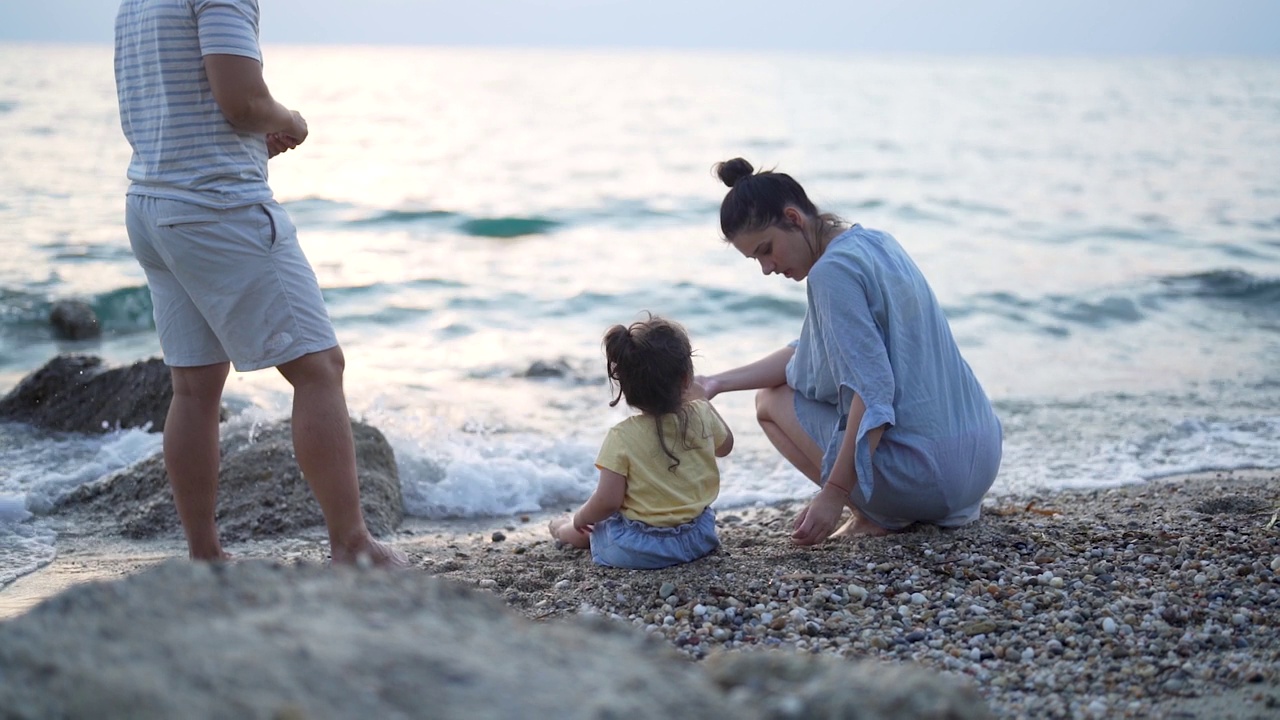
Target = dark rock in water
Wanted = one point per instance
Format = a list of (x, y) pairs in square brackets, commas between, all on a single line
[(555, 369), (559, 369), (254, 639), (74, 393), (74, 320), (261, 491)]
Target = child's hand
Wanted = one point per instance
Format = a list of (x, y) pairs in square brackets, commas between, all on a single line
[(581, 526)]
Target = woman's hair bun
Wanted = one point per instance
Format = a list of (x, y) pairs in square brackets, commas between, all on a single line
[(731, 171)]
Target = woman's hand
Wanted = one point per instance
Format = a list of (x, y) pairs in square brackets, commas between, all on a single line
[(820, 517), (705, 387)]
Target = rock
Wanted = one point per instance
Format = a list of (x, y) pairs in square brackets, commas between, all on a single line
[(261, 490), (304, 641), (555, 369), (74, 320), (788, 685), (74, 393)]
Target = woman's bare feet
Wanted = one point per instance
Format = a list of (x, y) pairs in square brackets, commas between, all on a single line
[(859, 526)]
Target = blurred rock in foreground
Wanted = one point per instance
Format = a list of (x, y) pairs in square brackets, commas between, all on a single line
[(260, 640)]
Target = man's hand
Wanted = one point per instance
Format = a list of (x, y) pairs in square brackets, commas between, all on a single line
[(298, 131), (277, 143)]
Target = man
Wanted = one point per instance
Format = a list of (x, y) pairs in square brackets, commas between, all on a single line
[(229, 282)]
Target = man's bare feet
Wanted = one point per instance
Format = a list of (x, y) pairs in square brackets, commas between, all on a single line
[(370, 553), (220, 556), (859, 526)]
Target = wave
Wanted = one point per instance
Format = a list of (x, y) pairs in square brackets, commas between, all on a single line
[(125, 310), (1232, 285), (610, 210), (1248, 295), (7, 106), (119, 311), (401, 217), (508, 227)]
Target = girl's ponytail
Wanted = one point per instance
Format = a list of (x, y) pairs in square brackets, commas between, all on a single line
[(650, 363)]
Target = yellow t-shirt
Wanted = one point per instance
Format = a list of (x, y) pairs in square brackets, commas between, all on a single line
[(656, 494)]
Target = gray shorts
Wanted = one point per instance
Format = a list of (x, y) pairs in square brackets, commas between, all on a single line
[(228, 284)]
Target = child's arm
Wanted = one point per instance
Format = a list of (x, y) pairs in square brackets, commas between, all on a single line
[(605, 501), (725, 447)]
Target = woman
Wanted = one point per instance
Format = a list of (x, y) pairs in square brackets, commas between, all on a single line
[(874, 402)]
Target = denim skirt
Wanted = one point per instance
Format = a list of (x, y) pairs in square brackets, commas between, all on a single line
[(621, 542)]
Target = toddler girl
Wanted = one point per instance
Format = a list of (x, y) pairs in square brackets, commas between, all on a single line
[(658, 474)]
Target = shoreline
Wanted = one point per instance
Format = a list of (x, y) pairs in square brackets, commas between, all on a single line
[(1147, 600)]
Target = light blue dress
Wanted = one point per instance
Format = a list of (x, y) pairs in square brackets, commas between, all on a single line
[(873, 327)]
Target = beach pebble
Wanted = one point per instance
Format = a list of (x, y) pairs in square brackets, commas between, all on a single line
[(1109, 626), (1275, 564), (918, 599), (667, 590)]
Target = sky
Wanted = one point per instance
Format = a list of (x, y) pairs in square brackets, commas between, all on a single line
[(1019, 27)]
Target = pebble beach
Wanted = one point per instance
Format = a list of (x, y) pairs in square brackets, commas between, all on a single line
[(1159, 600)]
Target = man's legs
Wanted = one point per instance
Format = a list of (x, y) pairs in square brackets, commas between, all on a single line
[(191, 454), (323, 444)]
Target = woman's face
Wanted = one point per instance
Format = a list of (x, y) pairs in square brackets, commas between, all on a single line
[(779, 250)]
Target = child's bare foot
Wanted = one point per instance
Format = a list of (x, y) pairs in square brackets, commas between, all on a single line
[(370, 553), (553, 526), (562, 529)]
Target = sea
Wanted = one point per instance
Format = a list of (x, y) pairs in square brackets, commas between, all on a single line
[(1103, 233)]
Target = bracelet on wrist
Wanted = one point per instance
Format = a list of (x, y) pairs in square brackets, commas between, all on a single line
[(837, 486)]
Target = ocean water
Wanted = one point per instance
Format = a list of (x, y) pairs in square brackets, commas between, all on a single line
[(1104, 236)]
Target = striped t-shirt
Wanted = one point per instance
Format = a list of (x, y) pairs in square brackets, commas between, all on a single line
[(183, 147)]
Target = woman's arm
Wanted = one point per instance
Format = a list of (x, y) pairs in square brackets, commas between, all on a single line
[(605, 501), (819, 519), (769, 371)]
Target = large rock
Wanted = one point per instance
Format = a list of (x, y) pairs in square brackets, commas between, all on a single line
[(75, 393), (261, 491), (257, 640), (74, 320)]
